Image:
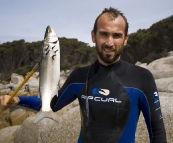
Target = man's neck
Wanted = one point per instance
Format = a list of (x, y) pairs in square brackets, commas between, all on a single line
[(107, 64)]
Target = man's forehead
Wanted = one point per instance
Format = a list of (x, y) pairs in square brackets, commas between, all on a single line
[(111, 16)]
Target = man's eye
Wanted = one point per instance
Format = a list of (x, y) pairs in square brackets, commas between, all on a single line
[(104, 34), (117, 35)]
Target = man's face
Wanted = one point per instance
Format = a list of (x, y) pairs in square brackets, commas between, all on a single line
[(110, 38)]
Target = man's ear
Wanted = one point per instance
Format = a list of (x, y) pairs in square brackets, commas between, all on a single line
[(93, 36), (126, 39)]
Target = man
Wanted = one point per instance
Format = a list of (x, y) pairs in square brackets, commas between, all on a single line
[(111, 92)]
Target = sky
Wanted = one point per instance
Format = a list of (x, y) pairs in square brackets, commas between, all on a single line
[(28, 19)]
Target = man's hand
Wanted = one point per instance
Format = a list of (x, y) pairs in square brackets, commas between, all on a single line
[(4, 99)]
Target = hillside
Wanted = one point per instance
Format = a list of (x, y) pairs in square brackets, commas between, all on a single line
[(145, 45)]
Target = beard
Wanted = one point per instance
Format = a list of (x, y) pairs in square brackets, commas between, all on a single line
[(109, 59)]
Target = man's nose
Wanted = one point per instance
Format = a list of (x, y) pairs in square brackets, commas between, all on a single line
[(109, 41)]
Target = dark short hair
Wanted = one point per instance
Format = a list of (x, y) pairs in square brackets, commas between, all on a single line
[(114, 13)]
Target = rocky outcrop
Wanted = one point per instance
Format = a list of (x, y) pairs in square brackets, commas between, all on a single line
[(165, 84), (48, 131), (5, 119), (31, 86), (7, 134), (161, 68)]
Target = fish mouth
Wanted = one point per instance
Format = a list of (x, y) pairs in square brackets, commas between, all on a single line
[(48, 30), (50, 36)]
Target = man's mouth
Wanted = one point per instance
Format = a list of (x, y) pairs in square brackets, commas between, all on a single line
[(108, 51)]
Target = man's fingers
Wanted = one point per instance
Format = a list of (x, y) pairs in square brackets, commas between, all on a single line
[(3, 102)]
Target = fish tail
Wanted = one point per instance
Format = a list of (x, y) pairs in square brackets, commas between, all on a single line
[(49, 114)]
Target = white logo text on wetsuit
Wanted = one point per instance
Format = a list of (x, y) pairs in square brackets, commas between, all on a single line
[(100, 99)]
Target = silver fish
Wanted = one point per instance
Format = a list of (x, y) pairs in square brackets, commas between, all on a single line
[(49, 74)]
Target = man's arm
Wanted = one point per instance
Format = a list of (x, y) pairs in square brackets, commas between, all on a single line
[(154, 118), (32, 102), (69, 91)]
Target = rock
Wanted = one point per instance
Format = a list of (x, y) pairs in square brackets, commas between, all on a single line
[(35, 75), (161, 68), (33, 83), (167, 112), (170, 54), (5, 91), (34, 92), (165, 84), (33, 133), (49, 131), (32, 86), (7, 134), (61, 82), (138, 63), (16, 79), (18, 116), (2, 86), (21, 92), (13, 87), (68, 128), (144, 65), (5, 119), (62, 74)]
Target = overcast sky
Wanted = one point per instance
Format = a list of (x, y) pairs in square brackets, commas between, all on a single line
[(28, 19)]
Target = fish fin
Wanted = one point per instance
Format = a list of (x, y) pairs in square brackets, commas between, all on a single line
[(49, 114)]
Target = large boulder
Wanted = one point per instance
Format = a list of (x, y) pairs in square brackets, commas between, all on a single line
[(32, 85), (161, 68), (68, 128), (165, 84), (7, 134), (5, 91), (16, 78), (49, 131), (2, 86), (5, 119), (19, 114), (33, 133), (62, 81)]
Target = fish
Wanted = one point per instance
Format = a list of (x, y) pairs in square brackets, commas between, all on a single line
[(49, 74)]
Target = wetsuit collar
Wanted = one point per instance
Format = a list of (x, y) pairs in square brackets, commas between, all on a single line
[(116, 66)]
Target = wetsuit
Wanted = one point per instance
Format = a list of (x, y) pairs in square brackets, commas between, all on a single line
[(111, 99)]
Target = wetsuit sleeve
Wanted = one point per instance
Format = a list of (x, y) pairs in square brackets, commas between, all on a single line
[(153, 119), (67, 93), (32, 102)]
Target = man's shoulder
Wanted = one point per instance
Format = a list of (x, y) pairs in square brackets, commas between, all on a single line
[(139, 73), (82, 70), (79, 74), (135, 68)]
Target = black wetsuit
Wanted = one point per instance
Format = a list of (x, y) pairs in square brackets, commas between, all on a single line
[(110, 98)]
